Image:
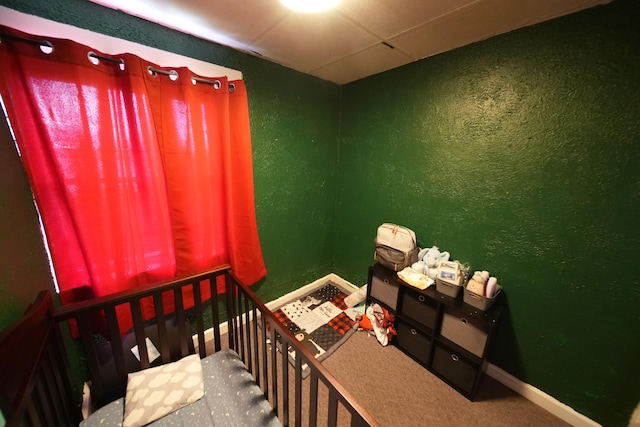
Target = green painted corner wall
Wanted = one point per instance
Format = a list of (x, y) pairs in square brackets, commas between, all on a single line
[(24, 269), (518, 155)]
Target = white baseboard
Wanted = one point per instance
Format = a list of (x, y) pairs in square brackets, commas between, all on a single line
[(540, 398), (310, 288)]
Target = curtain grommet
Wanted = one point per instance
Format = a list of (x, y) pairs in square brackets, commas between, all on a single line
[(46, 47), (93, 58)]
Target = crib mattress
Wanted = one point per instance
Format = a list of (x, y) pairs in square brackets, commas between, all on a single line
[(232, 398)]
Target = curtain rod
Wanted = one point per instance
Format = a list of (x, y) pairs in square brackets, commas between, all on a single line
[(173, 73), (106, 58), (46, 43)]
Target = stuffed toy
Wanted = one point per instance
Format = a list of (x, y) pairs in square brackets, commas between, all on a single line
[(364, 322), (428, 260)]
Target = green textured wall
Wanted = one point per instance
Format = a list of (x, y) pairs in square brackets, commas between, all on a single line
[(519, 155), (294, 122), (24, 269)]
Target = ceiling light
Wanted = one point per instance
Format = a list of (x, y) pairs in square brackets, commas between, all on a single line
[(310, 5)]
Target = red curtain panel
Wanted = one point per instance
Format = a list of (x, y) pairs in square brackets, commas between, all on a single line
[(133, 171)]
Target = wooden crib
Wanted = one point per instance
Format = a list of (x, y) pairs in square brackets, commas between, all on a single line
[(39, 388)]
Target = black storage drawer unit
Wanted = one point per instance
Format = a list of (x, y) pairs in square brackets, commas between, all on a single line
[(413, 342), (455, 368), (420, 308), (442, 333)]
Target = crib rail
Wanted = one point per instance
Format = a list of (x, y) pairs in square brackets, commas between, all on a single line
[(36, 388), (263, 344), (252, 331), (109, 362)]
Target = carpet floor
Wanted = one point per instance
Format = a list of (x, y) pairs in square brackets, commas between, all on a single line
[(397, 391)]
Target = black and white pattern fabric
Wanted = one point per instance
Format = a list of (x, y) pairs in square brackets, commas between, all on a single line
[(318, 321)]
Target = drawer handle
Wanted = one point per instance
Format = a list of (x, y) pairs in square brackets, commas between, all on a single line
[(414, 332), (464, 321), (386, 281), (421, 298), (455, 357)]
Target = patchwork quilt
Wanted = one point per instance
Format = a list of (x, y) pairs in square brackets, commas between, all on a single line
[(318, 320)]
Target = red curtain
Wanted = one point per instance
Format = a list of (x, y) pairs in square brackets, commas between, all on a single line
[(138, 177)]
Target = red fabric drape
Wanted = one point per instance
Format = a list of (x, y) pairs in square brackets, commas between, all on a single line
[(244, 253), (206, 148), (193, 124), (131, 172)]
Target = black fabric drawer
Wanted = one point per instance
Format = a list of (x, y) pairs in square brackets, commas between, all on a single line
[(384, 288), (455, 368), (419, 308), (413, 342), (467, 332)]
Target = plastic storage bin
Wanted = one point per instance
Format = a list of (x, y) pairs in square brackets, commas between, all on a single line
[(479, 301), (447, 288)]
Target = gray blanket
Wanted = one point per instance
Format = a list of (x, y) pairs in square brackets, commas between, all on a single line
[(232, 398)]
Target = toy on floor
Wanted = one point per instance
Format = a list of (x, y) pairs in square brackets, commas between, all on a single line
[(380, 321)]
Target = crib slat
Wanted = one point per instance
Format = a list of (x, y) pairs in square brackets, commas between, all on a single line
[(197, 304), (240, 326), (50, 386), (116, 344), (56, 385), (274, 366), (230, 291), (177, 296), (247, 323), (333, 408), (35, 418), (298, 391), (86, 337), (138, 327), (45, 400), (161, 324), (285, 379), (254, 345), (313, 399), (213, 286)]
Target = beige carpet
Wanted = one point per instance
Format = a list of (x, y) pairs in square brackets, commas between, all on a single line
[(399, 392)]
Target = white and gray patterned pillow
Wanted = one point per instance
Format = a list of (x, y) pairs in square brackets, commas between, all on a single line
[(155, 392)]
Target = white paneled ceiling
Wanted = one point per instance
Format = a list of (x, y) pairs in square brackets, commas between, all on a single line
[(358, 38)]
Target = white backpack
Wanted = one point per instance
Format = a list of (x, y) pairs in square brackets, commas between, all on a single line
[(396, 246)]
